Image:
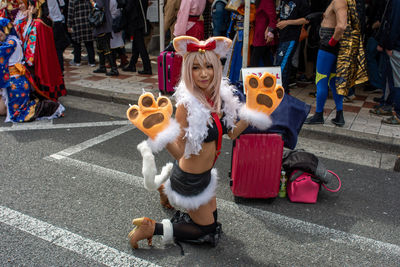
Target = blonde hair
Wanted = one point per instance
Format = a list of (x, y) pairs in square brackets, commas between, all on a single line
[(207, 57)]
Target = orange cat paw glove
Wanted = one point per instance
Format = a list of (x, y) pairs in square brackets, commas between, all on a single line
[(153, 118), (263, 96)]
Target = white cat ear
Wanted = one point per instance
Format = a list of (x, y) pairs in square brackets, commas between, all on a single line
[(222, 45), (180, 43)]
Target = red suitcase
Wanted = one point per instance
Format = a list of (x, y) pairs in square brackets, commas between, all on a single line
[(169, 71), (256, 165)]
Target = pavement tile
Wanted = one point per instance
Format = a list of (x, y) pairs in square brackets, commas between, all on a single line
[(368, 104), (94, 78), (349, 108)]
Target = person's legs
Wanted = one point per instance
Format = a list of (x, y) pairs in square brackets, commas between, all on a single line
[(375, 76), (339, 119), (395, 65), (100, 43), (90, 50), (135, 55), (196, 226), (325, 63), (77, 52), (141, 48), (284, 58)]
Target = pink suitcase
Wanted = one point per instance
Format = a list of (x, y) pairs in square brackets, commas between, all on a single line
[(169, 71), (256, 166)]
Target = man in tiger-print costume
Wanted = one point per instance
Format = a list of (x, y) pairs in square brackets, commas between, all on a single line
[(341, 58)]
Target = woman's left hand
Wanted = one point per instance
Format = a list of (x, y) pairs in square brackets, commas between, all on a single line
[(282, 24)]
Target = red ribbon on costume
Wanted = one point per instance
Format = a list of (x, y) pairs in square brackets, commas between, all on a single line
[(193, 47)]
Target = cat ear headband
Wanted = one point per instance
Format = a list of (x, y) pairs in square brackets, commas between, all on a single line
[(186, 44)]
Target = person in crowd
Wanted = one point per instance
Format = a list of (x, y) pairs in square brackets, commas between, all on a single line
[(117, 43), (265, 25), (137, 26), (207, 19), (80, 30), (61, 37), (171, 9), (291, 17), (220, 18), (206, 109), (339, 66), (188, 21), (103, 37), (375, 12), (389, 43), (40, 53), (233, 64), (17, 98)]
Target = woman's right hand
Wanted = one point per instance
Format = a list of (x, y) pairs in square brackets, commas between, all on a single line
[(151, 116)]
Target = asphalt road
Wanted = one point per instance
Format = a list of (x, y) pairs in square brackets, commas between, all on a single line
[(70, 188)]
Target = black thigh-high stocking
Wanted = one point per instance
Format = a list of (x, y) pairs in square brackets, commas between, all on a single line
[(186, 229)]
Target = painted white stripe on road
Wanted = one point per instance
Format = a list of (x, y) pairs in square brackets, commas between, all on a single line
[(273, 219), (91, 142), (68, 240), (50, 126)]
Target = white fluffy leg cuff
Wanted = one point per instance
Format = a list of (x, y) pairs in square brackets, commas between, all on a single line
[(149, 170), (168, 135), (168, 236), (255, 118)]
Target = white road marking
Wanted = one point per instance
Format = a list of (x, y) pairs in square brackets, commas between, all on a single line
[(91, 142), (88, 248), (50, 126), (273, 219)]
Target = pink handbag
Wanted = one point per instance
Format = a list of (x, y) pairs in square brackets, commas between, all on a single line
[(304, 189)]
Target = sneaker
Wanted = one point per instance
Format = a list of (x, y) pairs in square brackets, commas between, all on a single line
[(393, 120), (73, 63), (380, 111), (349, 98), (92, 65)]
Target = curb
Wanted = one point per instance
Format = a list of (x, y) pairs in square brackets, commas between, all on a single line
[(330, 134)]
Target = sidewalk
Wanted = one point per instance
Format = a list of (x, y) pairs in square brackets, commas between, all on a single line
[(361, 128)]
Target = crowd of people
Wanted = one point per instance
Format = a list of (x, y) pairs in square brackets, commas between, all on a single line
[(293, 34), (296, 35)]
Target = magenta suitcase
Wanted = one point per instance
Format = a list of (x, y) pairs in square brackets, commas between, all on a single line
[(169, 71), (256, 166)]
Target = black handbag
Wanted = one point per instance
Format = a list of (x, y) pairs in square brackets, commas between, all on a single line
[(97, 17)]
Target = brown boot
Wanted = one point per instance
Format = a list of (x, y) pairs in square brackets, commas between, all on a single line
[(144, 229), (163, 198)]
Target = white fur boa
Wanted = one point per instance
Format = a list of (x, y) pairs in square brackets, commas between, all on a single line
[(255, 118), (199, 117), (164, 137)]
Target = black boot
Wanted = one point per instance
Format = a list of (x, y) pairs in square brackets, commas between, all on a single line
[(317, 118), (102, 65), (339, 120), (131, 67), (113, 64), (146, 66)]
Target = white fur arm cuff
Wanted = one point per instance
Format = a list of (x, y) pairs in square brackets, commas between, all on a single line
[(168, 135), (255, 118), (152, 181)]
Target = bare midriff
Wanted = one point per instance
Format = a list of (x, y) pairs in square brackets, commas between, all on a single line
[(329, 17)]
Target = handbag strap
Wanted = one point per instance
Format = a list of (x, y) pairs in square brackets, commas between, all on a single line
[(339, 186)]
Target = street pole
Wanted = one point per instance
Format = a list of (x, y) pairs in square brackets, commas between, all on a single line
[(161, 25), (246, 29)]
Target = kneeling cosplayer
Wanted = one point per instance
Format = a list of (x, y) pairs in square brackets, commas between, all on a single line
[(206, 108)]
